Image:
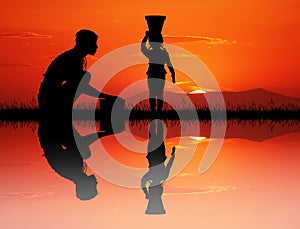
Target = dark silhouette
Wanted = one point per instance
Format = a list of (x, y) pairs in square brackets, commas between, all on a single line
[(63, 156), (57, 139), (58, 88), (158, 171), (158, 57), (64, 148)]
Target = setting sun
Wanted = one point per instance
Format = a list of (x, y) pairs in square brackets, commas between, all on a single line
[(197, 92)]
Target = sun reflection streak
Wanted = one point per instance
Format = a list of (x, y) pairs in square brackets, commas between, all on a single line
[(208, 189)]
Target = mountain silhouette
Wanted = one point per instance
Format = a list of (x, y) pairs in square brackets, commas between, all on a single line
[(259, 96)]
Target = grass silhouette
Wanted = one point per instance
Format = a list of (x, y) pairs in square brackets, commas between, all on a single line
[(19, 111), (29, 111), (233, 111)]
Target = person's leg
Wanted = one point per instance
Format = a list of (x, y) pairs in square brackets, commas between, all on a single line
[(160, 94), (160, 130), (152, 102), (152, 94), (160, 103)]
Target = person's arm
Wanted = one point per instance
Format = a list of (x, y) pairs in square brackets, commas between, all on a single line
[(91, 91), (85, 86), (170, 66), (143, 184), (170, 163), (144, 49)]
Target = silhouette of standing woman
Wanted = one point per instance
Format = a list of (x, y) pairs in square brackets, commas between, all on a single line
[(158, 57), (61, 80)]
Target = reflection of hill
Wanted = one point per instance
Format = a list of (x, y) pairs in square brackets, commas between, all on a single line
[(251, 130)]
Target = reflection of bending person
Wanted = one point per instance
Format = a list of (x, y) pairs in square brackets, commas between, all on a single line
[(64, 157), (152, 181), (158, 57)]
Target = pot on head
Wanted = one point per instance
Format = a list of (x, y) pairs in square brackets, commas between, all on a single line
[(155, 23)]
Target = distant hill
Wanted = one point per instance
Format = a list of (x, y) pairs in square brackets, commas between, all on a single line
[(260, 97)]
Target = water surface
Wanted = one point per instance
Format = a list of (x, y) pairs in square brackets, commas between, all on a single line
[(254, 182)]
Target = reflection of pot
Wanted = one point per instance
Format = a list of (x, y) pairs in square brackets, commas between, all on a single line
[(155, 25), (155, 204)]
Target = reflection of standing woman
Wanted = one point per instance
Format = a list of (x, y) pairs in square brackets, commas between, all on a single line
[(152, 182), (158, 57)]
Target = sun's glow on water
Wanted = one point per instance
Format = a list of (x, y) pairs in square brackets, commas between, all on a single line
[(196, 138)]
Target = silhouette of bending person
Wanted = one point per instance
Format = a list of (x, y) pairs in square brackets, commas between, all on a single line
[(158, 57), (61, 79), (152, 181)]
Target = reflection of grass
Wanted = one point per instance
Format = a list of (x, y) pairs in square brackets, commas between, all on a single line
[(232, 123), (15, 124), (30, 111)]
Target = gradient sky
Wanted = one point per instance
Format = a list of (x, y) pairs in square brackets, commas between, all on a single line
[(246, 44)]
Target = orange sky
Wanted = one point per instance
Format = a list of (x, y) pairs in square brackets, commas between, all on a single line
[(245, 44)]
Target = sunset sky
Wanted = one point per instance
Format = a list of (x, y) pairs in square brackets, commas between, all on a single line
[(245, 44), (254, 181)]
